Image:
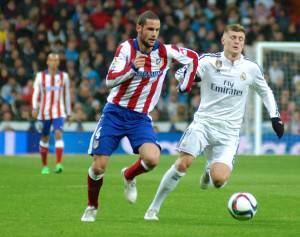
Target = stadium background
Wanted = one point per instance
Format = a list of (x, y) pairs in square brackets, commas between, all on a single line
[(86, 33)]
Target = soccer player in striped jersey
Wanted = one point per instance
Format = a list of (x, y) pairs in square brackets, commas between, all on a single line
[(51, 105), (225, 81), (135, 77)]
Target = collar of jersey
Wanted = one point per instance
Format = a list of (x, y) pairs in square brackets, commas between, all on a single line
[(236, 62), (47, 72), (136, 46)]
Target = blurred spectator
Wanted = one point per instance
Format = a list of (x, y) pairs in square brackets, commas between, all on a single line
[(276, 74), (294, 125), (9, 90), (85, 35)]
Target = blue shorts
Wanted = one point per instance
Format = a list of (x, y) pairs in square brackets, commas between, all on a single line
[(117, 122), (58, 124)]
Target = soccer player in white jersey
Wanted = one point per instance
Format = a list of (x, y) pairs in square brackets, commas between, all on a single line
[(225, 80), (51, 105), (135, 77)]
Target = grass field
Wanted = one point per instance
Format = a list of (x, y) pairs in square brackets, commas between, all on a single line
[(35, 205)]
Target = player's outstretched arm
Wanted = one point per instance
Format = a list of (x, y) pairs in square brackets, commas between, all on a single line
[(35, 95), (187, 74), (278, 126), (261, 87)]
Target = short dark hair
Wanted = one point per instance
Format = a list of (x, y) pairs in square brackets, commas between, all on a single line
[(235, 28), (146, 15)]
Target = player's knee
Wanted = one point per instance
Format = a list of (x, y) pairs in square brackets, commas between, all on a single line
[(151, 161), (98, 170), (99, 164), (219, 182), (45, 139), (183, 163), (58, 135)]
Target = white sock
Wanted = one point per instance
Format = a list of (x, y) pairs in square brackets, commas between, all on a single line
[(167, 184), (93, 176)]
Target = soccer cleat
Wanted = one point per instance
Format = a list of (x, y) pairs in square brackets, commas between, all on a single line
[(45, 170), (59, 168), (205, 180), (151, 215), (89, 214), (130, 190)]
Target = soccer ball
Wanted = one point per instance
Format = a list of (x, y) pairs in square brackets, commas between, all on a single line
[(242, 206)]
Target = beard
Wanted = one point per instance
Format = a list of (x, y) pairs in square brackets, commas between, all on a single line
[(145, 43)]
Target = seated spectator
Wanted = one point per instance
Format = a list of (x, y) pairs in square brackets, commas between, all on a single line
[(8, 90)]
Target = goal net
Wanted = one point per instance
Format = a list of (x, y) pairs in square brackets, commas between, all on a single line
[(280, 62)]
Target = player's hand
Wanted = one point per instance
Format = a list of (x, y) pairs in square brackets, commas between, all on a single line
[(34, 114), (179, 90), (139, 61), (180, 73), (278, 126)]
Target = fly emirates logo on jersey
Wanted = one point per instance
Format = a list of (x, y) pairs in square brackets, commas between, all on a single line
[(226, 88)]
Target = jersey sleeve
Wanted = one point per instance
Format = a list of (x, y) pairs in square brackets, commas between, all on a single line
[(67, 94), (36, 91), (181, 73), (190, 59), (264, 91), (120, 69)]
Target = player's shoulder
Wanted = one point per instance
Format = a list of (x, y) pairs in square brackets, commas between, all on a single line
[(252, 65), (125, 47), (38, 75), (65, 74), (209, 56)]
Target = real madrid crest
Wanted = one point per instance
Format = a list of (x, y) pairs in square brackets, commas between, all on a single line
[(218, 64), (243, 76)]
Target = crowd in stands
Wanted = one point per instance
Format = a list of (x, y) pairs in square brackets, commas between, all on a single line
[(86, 33)]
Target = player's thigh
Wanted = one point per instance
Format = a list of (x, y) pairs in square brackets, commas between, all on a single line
[(194, 140), (46, 126), (221, 153), (141, 133), (106, 136)]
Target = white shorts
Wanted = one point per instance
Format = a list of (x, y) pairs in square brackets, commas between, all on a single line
[(217, 146)]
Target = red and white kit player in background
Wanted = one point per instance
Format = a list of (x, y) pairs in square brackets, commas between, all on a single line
[(51, 105), (136, 77)]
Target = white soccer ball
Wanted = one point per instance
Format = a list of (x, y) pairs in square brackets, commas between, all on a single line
[(242, 206)]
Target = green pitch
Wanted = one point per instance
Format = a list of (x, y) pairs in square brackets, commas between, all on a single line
[(51, 205)]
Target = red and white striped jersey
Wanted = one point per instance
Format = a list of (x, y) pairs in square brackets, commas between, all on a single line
[(51, 95), (140, 90)]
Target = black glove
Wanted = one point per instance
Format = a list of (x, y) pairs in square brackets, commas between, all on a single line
[(278, 126)]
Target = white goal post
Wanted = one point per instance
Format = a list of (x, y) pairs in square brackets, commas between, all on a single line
[(262, 49)]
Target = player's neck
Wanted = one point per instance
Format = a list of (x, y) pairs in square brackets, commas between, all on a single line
[(232, 56), (52, 71)]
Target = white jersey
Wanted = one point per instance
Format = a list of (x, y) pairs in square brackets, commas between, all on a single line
[(224, 90), (139, 90), (51, 95)]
